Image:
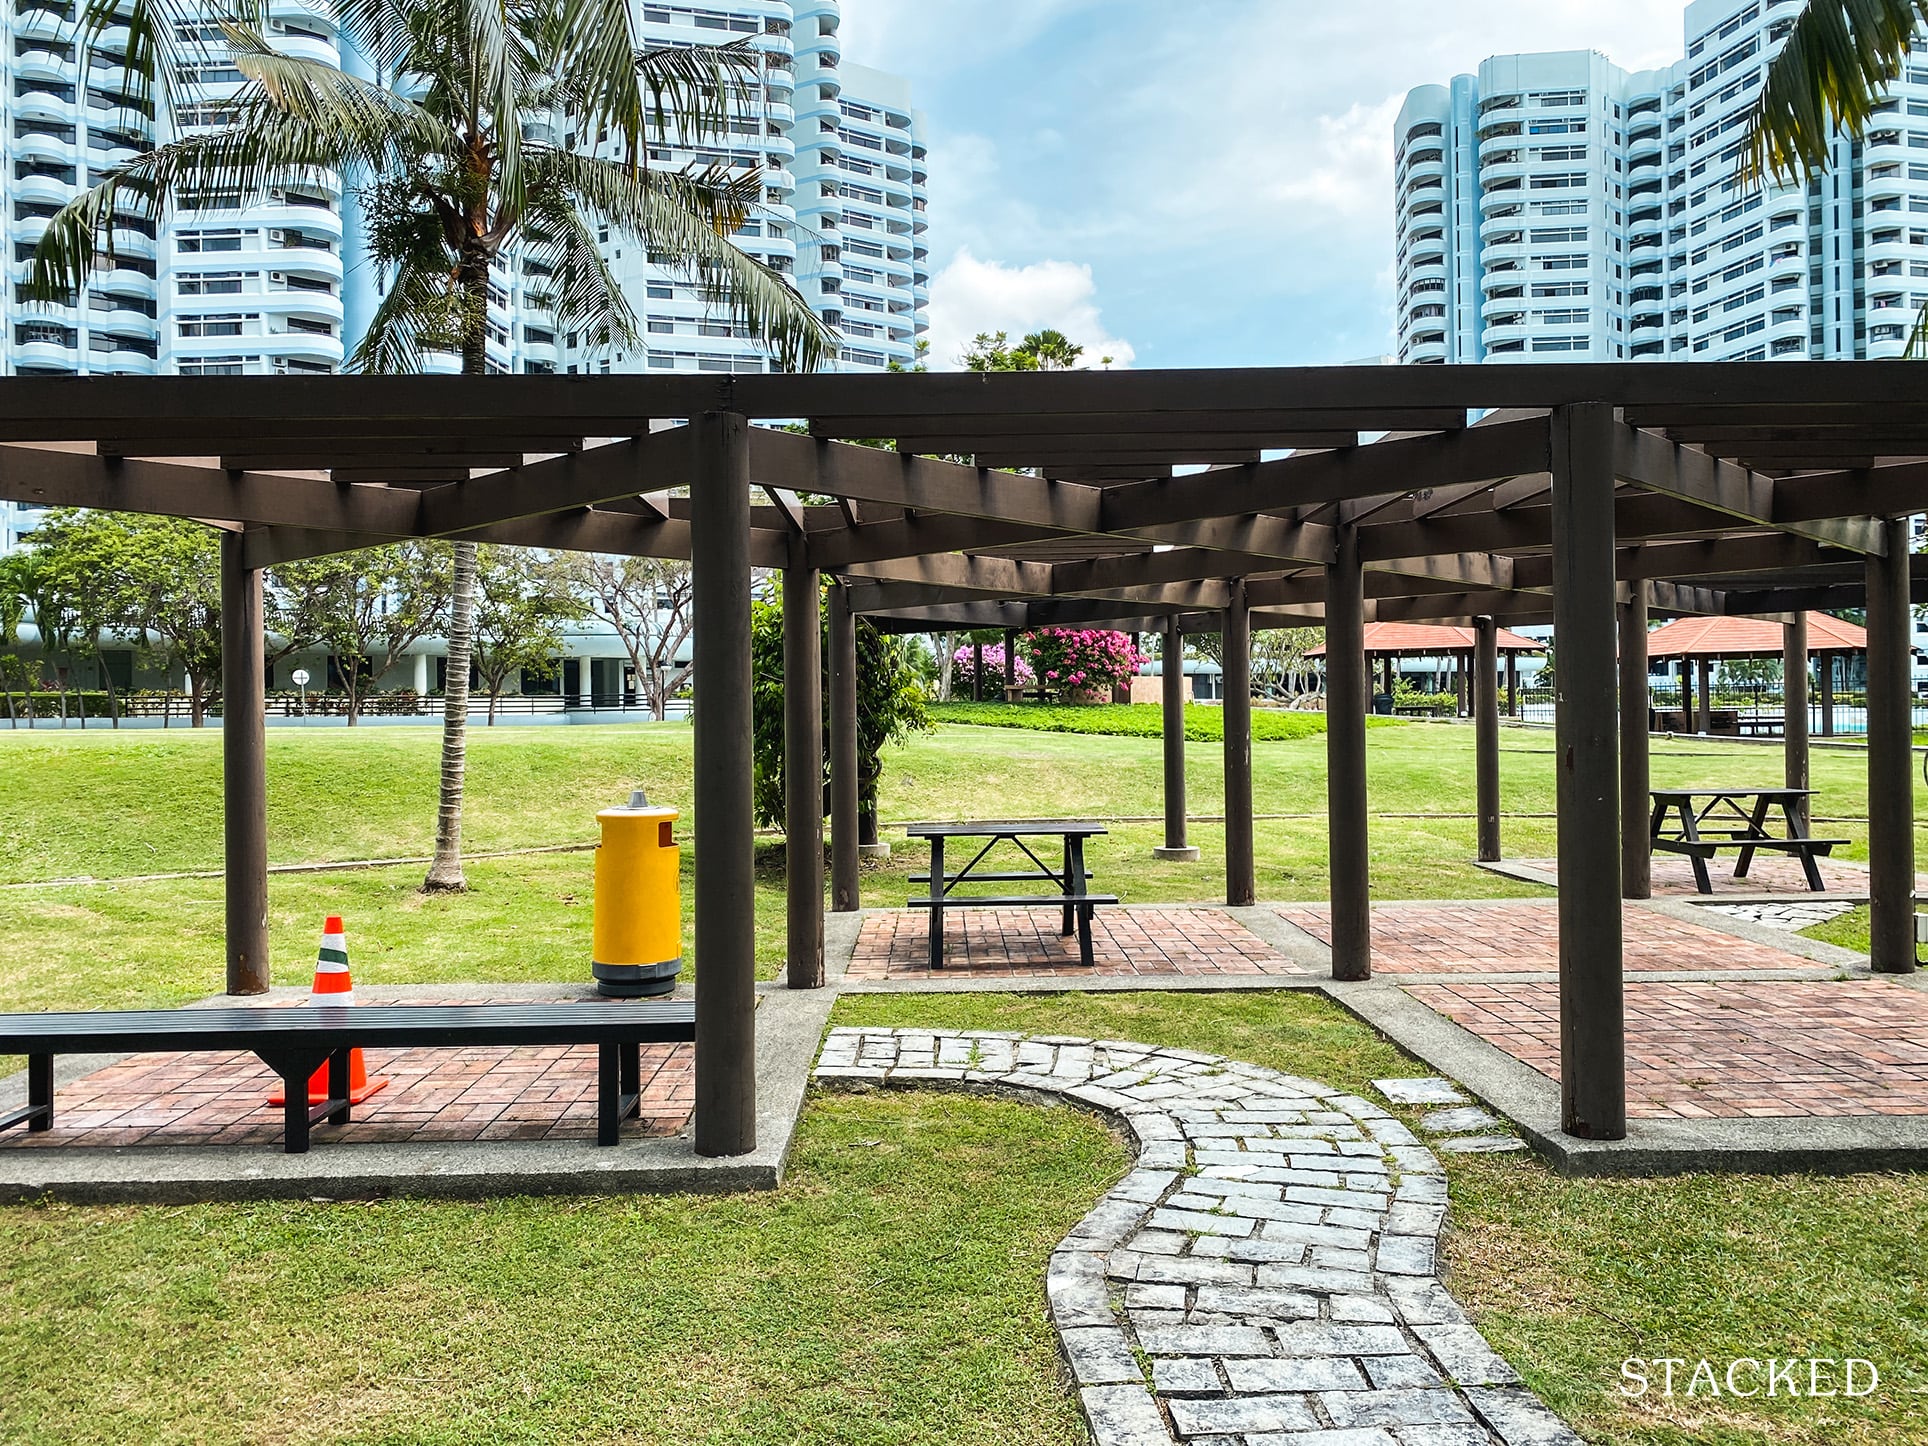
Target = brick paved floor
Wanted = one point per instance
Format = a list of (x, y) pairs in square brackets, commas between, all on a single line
[(895, 944), (1673, 874), (1448, 938), (434, 1096), (1734, 1049)]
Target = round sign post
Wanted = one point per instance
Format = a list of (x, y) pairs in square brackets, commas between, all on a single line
[(300, 676)]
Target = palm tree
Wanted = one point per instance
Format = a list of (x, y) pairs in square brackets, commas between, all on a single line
[(446, 149), (1050, 350)]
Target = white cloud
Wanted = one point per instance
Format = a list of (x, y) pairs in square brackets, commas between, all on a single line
[(971, 296)]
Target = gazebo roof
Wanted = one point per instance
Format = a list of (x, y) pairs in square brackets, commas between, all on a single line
[(1750, 637), (1422, 640)]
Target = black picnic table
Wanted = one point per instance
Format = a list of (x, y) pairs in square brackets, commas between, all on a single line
[(1072, 878), (1709, 819)]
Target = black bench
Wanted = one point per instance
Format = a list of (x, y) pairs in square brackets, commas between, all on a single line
[(295, 1042)]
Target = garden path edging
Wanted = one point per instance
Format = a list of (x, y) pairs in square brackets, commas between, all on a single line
[(1271, 1257)]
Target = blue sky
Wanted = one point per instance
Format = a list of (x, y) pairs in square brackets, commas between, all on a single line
[(1189, 182)]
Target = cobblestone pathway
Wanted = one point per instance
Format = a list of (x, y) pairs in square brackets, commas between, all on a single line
[(1271, 1259)]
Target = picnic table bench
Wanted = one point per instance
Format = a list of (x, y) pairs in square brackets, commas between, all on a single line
[(1711, 819), (295, 1042), (1073, 879)]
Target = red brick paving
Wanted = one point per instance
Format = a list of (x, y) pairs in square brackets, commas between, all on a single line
[(435, 1096), (1733, 1049), (1777, 874), (1026, 942), (1450, 938)]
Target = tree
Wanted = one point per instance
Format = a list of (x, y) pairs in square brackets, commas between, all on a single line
[(1831, 77), (523, 599), (1047, 350), (647, 602), (890, 707), (1281, 661), (367, 608), (14, 586), (447, 142)]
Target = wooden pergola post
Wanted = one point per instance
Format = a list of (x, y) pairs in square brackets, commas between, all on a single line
[(1171, 668), (1010, 660), (244, 769), (725, 1112), (977, 670), (1686, 670), (803, 775), (1346, 823), (1794, 705), (1824, 674), (1512, 684), (1636, 830), (1486, 736), (1891, 791), (1707, 695), (843, 753), (1593, 1083), (1241, 870)]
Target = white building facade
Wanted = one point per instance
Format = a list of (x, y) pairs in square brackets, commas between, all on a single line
[(1555, 207)]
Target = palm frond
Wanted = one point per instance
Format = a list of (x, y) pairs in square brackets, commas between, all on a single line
[(693, 91), (1917, 337), (591, 47), (689, 215), (372, 121), (1835, 69), (156, 46), (265, 150), (586, 295), (422, 310)]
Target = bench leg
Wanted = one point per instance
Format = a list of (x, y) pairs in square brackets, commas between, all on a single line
[(1085, 912), (294, 1110), (1809, 867), (609, 1094), (338, 1086), (38, 1114), (1757, 828), (1690, 831), (937, 935), (632, 1080)]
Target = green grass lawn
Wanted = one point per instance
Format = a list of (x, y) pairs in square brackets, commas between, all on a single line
[(890, 1292)]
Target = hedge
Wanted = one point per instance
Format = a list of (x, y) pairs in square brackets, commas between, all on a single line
[(1129, 720)]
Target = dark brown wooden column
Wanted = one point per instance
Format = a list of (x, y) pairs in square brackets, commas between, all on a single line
[(1512, 685), (244, 769), (1171, 667), (1010, 660), (1794, 703), (1593, 1084), (1636, 829), (843, 754), (1824, 673), (803, 775), (1241, 870), (725, 1113), (1486, 736), (1687, 696), (1891, 791), (1706, 705), (1346, 823)]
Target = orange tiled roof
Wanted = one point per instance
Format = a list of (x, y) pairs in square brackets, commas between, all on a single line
[(1749, 637), (1427, 639)]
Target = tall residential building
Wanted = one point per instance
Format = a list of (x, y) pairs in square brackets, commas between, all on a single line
[(1556, 207), (283, 286)]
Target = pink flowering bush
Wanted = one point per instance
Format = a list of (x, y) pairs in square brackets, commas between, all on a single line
[(1083, 664), (963, 671)]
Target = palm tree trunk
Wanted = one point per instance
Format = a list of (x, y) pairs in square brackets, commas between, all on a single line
[(445, 872)]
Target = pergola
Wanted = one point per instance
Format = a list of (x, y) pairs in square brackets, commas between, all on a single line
[(1696, 644), (1584, 496)]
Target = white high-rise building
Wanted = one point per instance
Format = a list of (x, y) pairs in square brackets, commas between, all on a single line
[(282, 287), (1555, 207)]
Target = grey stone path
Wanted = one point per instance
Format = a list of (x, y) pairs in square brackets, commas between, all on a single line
[(1266, 1274), (1788, 916)]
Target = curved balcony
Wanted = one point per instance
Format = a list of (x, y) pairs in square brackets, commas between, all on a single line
[(308, 47), (122, 364), (42, 190), (1898, 252), (59, 144), (43, 23), (44, 62), (112, 276), (119, 308), (281, 302), (1431, 352), (303, 345), (1893, 188), (1504, 226), (1500, 142), (51, 355), (1642, 175)]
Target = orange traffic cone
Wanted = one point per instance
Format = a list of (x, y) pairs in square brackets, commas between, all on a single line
[(334, 987)]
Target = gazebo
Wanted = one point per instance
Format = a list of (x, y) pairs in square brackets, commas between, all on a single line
[(1696, 644), (1388, 641), (1585, 496)]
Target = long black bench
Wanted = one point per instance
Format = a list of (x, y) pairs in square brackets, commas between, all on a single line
[(295, 1042)]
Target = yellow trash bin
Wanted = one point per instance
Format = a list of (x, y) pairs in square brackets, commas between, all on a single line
[(638, 941)]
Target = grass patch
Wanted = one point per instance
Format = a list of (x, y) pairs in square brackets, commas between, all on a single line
[(1846, 931), (1129, 720), (889, 1292), (1569, 1277)]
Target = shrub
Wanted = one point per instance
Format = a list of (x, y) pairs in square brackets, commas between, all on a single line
[(1203, 724), (1074, 662), (964, 665)]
